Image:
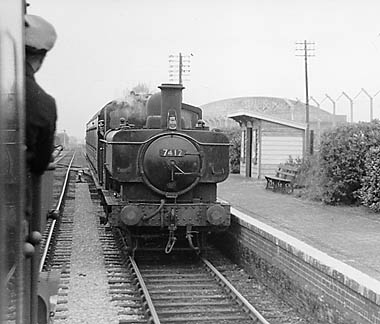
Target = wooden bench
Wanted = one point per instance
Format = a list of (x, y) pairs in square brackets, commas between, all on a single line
[(284, 179)]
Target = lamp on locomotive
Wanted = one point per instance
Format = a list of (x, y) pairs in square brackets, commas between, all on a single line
[(172, 120)]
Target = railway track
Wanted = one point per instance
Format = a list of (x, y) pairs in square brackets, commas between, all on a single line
[(185, 288), (56, 243), (47, 245), (195, 292), (152, 289), (60, 187)]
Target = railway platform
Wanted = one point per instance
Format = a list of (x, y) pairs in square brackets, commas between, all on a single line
[(348, 234)]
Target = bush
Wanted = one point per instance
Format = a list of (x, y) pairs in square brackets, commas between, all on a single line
[(369, 193), (308, 178), (234, 135), (342, 160)]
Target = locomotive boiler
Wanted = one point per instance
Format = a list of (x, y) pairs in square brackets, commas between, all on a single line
[(157, 166)]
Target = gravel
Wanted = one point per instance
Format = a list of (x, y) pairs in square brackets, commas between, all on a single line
[(88, 297)]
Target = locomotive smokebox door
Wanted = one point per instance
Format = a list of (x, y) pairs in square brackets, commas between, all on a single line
[(171, 164)]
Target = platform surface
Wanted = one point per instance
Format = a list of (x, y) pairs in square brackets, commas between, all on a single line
[(349, 234)]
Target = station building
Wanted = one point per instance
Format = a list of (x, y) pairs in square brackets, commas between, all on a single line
[(272, 129)]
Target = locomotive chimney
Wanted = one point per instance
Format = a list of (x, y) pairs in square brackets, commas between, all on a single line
[(171, 104)]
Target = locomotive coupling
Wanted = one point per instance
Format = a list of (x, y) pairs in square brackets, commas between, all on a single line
[(172, 228), (189, 236), (171, 240)]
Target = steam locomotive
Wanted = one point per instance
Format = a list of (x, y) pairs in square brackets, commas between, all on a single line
[(157, 165)]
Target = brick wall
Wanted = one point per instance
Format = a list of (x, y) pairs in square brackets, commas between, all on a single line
[(317, 285)]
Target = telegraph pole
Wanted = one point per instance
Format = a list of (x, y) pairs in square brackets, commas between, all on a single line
[(179, 67), (307, 48)]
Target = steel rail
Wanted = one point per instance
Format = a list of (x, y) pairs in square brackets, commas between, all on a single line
[(57, 209), (154, 319), (257, 317)]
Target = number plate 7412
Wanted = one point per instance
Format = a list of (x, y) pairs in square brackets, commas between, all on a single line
[(172, 152)]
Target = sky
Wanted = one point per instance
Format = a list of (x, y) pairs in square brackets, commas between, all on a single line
[(239, 48)]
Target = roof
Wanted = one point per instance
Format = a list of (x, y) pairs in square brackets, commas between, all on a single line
[(244, 115), (283, 108)]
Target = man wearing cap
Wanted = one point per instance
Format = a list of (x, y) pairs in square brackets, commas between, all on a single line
[(40, 119), (41, 111)]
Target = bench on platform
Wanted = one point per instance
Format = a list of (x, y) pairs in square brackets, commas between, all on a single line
[(284, 178)]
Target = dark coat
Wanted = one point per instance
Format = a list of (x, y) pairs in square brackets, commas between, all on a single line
[(41, 117)]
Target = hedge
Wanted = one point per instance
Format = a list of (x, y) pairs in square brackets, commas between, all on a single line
[(369, 193), (234, 135), (343, 154)]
